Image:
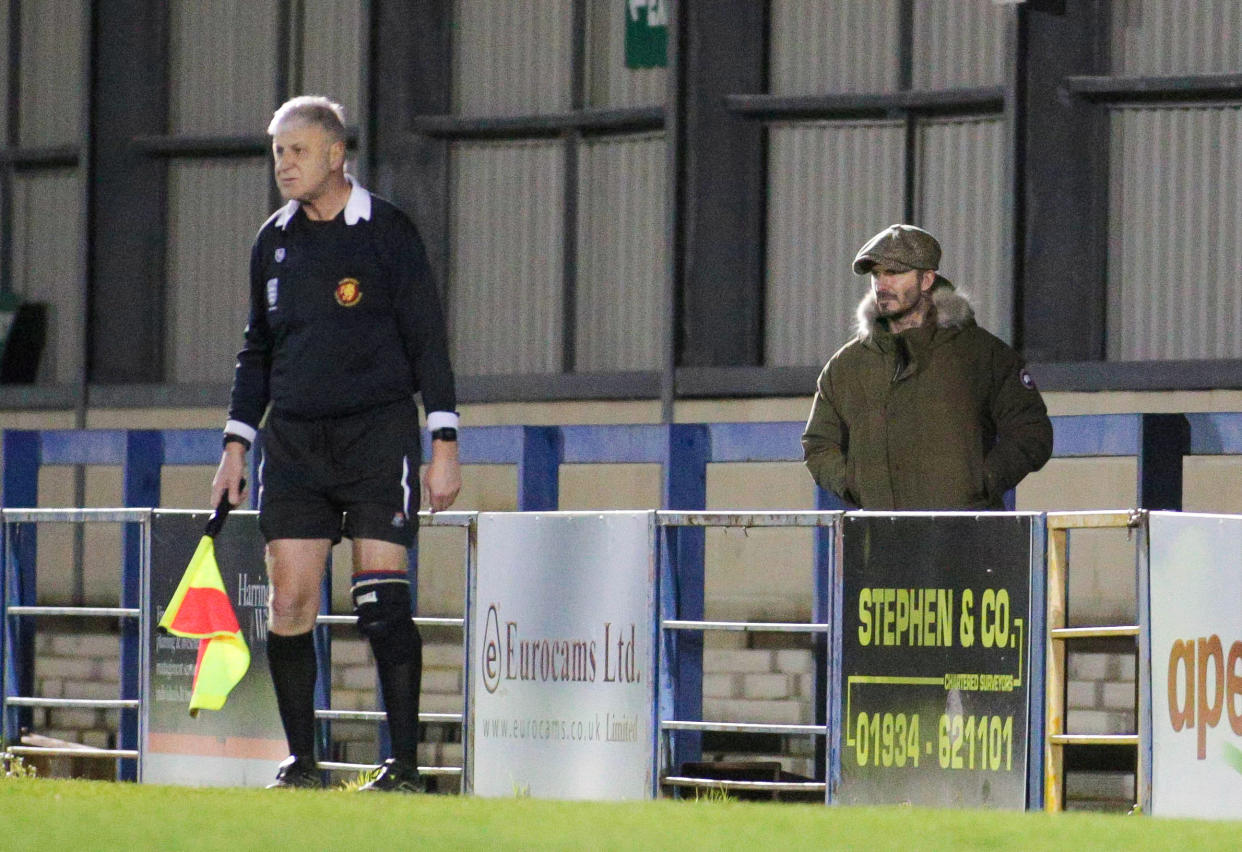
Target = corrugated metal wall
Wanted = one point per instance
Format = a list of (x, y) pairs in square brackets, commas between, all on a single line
[(332, 53), (621, 254), (222, 82), (1175, 234), (511, 57), (831, 186), (820, 46), (51, 73), (961, 167), (959, 43), (214, 209), (1159, 37), (223, 78), (506, 266), (609, 82), (47, 263)]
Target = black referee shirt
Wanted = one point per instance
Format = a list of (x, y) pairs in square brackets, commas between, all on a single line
[(344, 316)]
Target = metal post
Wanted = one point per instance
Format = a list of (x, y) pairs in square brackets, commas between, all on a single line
[(1143, 764), (323, 668), (1165, 442), (539, 469), (22, 451), (1037, 638), (685, 487), (144, 457), (823, 591)]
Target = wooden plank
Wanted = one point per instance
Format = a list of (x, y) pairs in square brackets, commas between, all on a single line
[(1091, 520), (1066, 633), (1054, 684)]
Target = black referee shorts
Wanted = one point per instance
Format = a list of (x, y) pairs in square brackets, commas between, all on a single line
[(354, 476)]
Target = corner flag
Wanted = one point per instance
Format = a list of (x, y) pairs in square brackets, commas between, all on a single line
[(200, 609)]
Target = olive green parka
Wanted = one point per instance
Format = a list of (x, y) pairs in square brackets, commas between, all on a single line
[(943, 416)]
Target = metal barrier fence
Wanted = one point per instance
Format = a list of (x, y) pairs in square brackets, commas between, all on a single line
[(679, 732), (1160, 442), (672, 628)]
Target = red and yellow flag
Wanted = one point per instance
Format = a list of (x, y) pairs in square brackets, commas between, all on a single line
[(200, 609)]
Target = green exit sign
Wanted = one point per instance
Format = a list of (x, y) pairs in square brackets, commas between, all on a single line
[(646, 33)]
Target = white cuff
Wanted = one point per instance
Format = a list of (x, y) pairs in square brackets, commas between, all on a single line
[(240, 429), (442, 420)]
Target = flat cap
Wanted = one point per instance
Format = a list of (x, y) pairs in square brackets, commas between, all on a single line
[(903, 245)]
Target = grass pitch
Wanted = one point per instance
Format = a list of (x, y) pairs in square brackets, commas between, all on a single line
[(87, 815)]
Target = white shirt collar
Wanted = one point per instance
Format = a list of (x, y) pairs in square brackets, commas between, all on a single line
[(357, 207)]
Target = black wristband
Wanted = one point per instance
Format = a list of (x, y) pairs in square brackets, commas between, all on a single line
[(230, 438), (444, 433)]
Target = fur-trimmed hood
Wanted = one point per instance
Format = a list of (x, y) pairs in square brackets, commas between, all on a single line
[(953, 309)]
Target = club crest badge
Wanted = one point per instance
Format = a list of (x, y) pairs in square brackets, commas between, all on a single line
[(273, 287), (1026, 380), (280, 254), (348, 292)]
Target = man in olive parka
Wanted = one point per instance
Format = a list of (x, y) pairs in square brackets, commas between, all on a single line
[(923, 409)]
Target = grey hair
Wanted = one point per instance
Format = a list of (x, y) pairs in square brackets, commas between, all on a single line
[(311, 109)]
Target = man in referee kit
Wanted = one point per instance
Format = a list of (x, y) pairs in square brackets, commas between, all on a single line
[(345, 327)]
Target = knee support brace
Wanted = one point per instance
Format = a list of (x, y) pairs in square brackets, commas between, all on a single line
[(382, 605)]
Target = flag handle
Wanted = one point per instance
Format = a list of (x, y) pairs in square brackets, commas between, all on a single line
[(216, 522)]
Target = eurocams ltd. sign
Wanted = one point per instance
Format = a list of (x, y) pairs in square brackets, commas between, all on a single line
[(1196, 664), (562, 688), (935, 650)]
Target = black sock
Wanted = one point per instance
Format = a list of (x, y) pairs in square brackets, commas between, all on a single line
[(292, 661), (399, 661)]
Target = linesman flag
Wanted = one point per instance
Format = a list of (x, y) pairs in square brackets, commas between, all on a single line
[(200, 609)]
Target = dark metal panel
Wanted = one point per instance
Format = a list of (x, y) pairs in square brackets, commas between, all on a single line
[(623, 120), (721, 317), (410, 78), (1142, 89), (986, 99), (129, 96), (1063, 187), (50, 157)]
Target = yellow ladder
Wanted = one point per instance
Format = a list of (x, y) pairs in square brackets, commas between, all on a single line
[(1055, 735)]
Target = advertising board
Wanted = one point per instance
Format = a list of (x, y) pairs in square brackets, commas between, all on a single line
[(562, 691), (1195, 591), (936, 644), (239, 745)]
